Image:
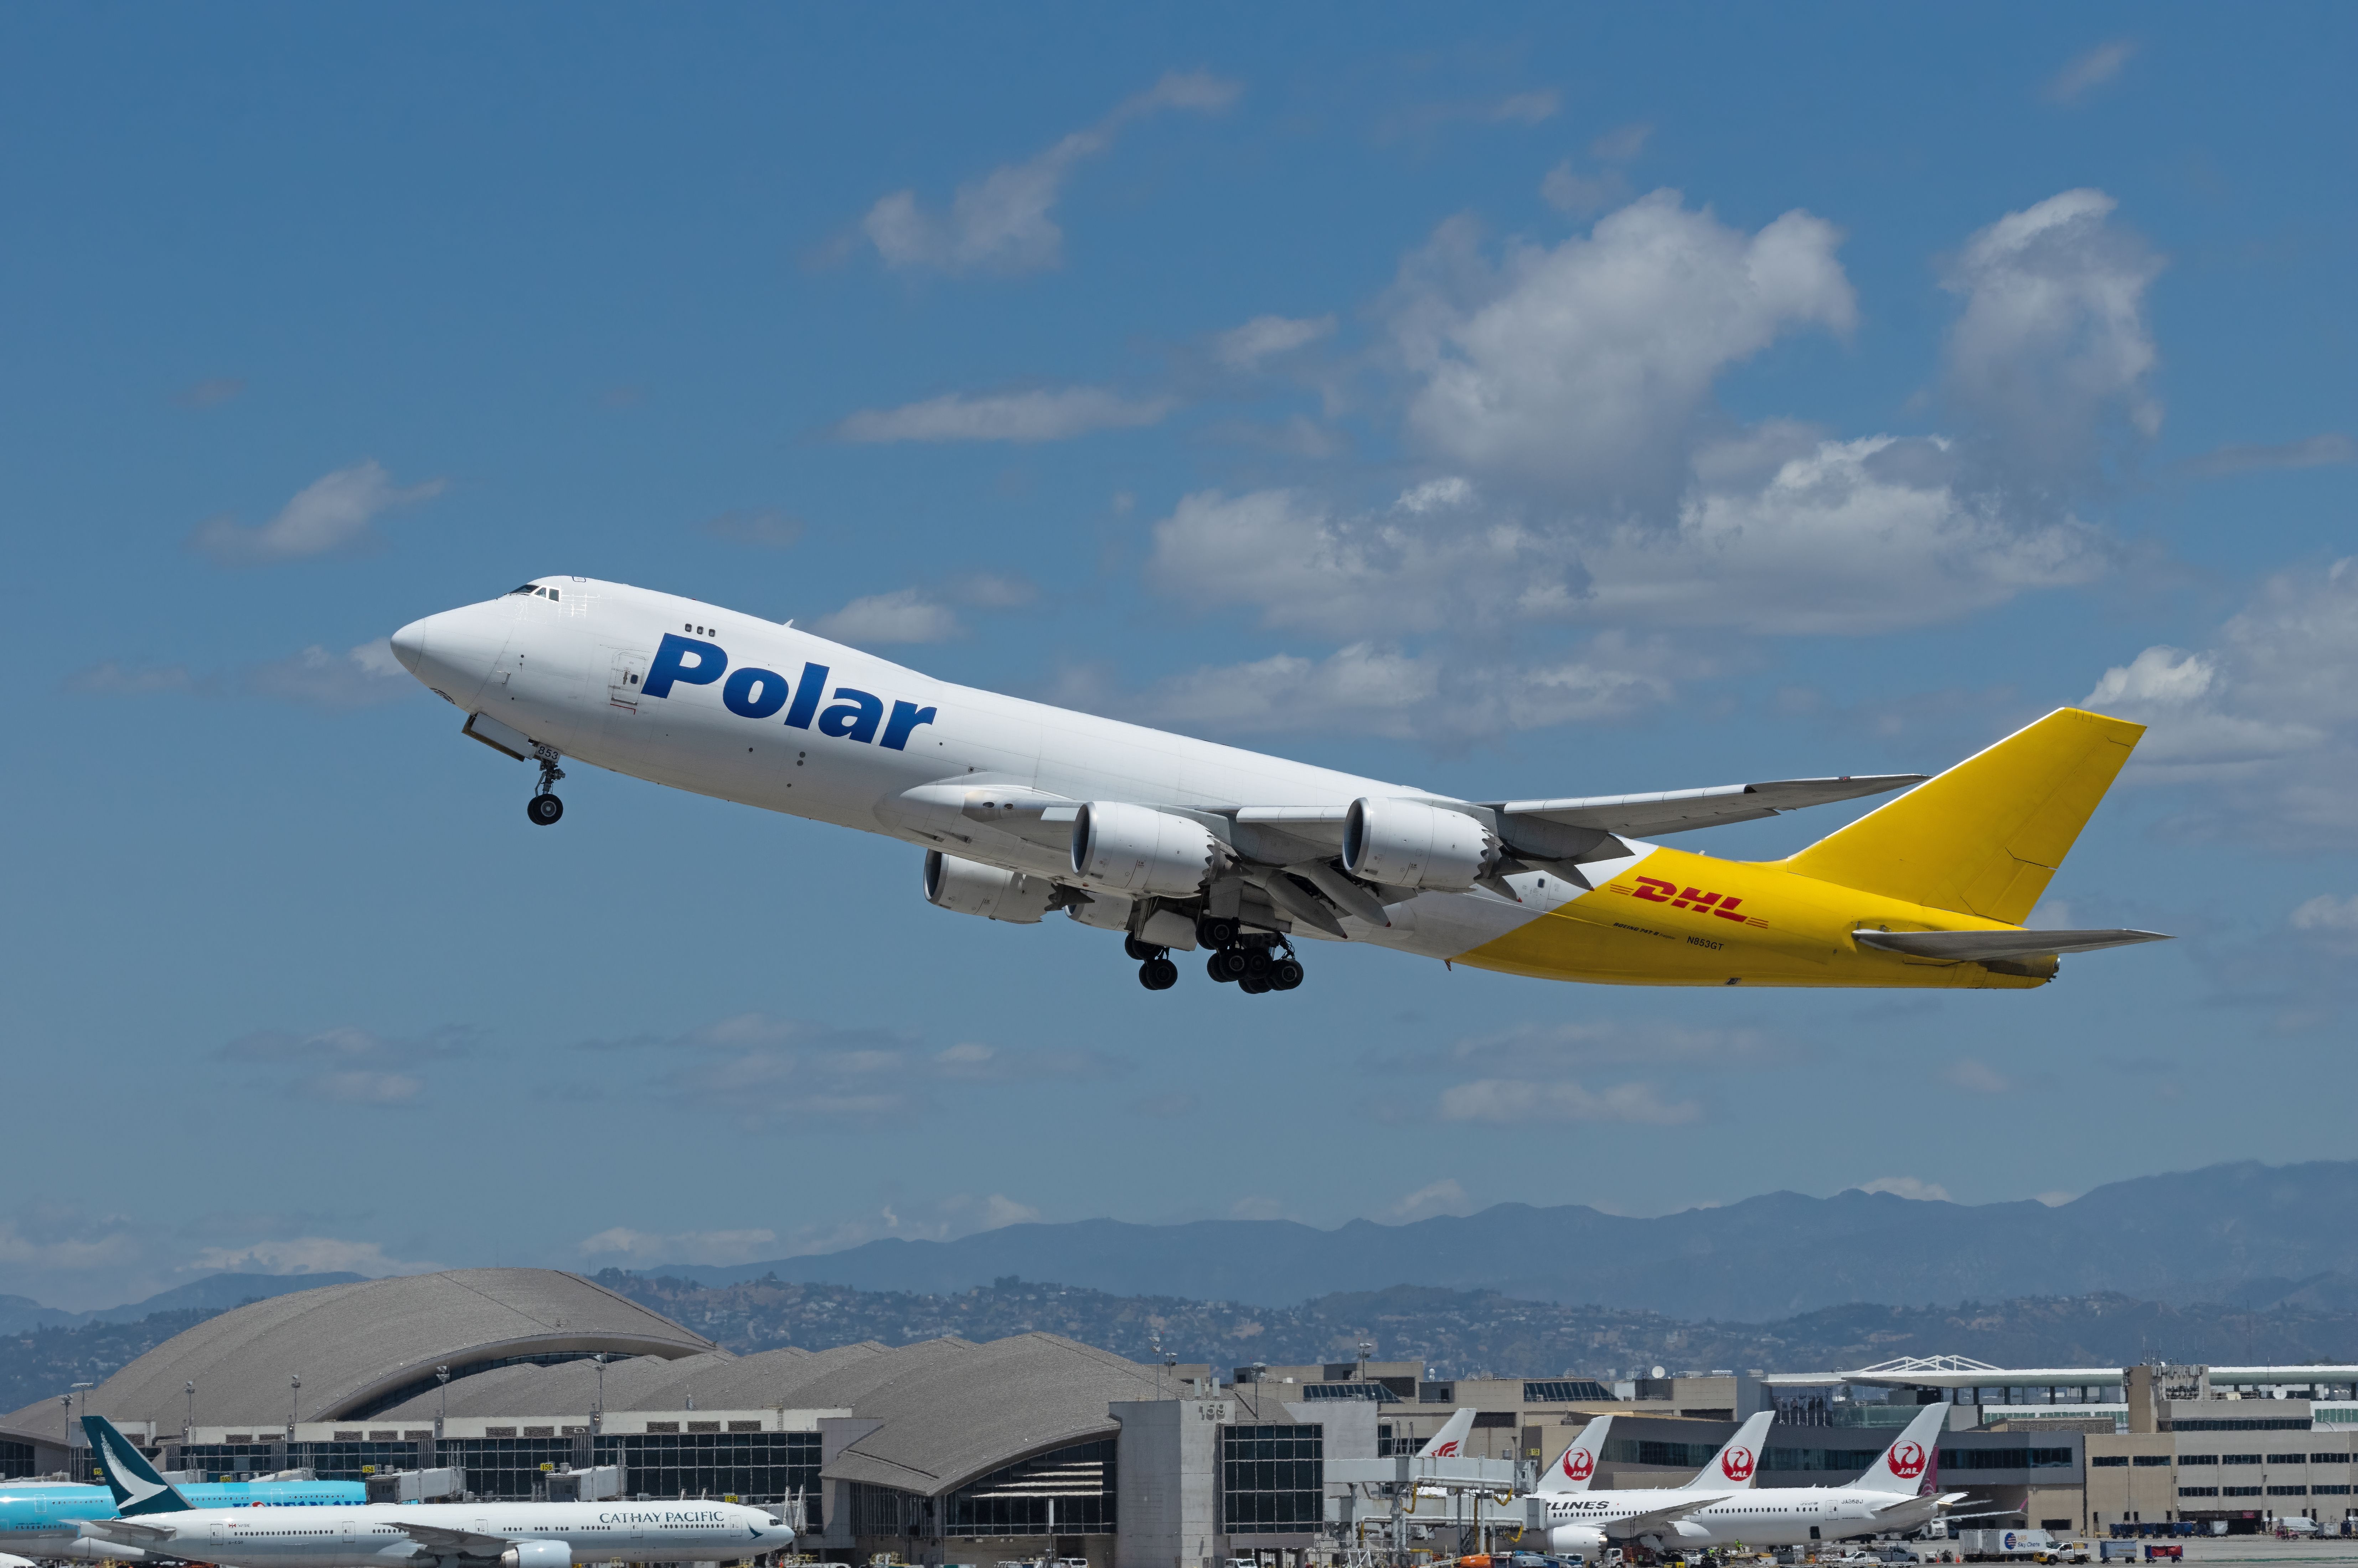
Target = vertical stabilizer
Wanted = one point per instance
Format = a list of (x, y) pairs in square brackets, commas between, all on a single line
[(137, 1488), (1449, 1442), (1576, 1463), (1738, 1458), (1902, 1468), (1983, 838)]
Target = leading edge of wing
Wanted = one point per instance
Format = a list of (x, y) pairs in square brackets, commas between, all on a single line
[(1677, 810)]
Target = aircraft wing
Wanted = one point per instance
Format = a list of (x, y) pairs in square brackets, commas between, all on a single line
[(461, 1543), (1688, 1503), (127, 1531), (1678, 810), (1971, 947)]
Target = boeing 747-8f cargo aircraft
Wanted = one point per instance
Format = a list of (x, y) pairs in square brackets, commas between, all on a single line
[(1023, 808)]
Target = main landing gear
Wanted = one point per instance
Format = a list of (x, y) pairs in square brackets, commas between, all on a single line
[(1156, 972), (1249, 960), (543, 808)]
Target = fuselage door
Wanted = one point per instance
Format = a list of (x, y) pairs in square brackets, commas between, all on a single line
[(627, 674)]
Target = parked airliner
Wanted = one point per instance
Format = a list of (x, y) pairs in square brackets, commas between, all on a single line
[(44, 1520), (155, 1520), (1022, 809), (1885, 1499)]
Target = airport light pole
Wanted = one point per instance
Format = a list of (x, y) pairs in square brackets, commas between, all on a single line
[(72, 1425), (442, 1410), (189, 1426), (294, 1405), (597, 1415)]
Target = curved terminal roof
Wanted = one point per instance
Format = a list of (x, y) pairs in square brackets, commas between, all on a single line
[(355, 1344)]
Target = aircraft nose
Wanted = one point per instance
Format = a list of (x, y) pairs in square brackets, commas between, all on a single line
[(409, 645)]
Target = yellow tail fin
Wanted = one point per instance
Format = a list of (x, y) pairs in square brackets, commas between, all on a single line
[(1983, 838)]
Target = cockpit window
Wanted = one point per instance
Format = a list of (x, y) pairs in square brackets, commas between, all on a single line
[(528, 587), (552, 593)]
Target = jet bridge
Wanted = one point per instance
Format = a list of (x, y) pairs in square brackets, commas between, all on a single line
[(1478, 1496)]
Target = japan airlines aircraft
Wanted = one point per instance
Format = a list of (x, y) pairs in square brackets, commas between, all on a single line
[(391, 1535), (1023, 808), (1884, 1499), (1580, 1519)]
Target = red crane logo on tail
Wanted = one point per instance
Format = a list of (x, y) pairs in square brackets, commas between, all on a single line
[(1737, 1464), (1579, 1463), (1908, 1460), (1447, 1450)]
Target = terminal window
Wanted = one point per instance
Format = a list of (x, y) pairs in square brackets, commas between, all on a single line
[(2197, 1459), (342, 1461), (1067, 1492), (2328, 1491), (2288, 1491), (1564, 1391), (756, 1466), (1272, 1479), (2108, 1461), (2329, 1459), (2151, 1461), (2198, 1491), (2300, 1458), (15, 1459), (225, 1459), (1853, 1460), (2239, 1491), (2002, 1459), (505, 1467)]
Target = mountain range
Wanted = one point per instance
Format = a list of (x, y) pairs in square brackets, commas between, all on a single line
[(2244, 1233), (214, 1292)]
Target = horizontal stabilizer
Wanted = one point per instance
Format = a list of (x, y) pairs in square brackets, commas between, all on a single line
[(1975, 947), (1676, 811)]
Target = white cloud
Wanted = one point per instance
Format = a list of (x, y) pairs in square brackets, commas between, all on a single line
[(347, 1065), (1526, 108), (1000, 223), (1567, 190), (2264, 720), (1506, 1102), (2052, 348), (307, 1255), (358, 677), (637, 1248), (59, 1237), (112, 677), (1906, 1187), (905, 615), (335, 513), (2317, 452), (1243, 348), (994, 591), (1368, 689), (1444, 1196), (2090, 70), (1977, 1076), (1005, 416), (211, 393), (938, 1219), (1580, 369), (2332, 921), (1621, 143)]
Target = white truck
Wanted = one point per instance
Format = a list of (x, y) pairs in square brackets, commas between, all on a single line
[(2019, 1545)]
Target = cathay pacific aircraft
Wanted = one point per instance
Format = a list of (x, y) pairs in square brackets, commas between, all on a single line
[(1022, 808), (157, 1521), (1722, 1508)]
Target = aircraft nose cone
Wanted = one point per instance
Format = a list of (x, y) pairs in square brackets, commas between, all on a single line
[(409, 645)]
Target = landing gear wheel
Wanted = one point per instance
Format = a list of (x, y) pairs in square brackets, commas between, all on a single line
[(1252, 984), (1229, 964), (1142, 951), (1158, 974), (544, 809), (1216, 931), (1284, 975), (1257, 964)]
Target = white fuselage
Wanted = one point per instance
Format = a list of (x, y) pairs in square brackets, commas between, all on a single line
[(368, 1535), (1766, 1516), (812, 728)]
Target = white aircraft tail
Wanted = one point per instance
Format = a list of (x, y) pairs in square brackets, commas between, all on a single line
[(1576, 1463), (1906, 1463), (1449, 1442), (1738, 1458)]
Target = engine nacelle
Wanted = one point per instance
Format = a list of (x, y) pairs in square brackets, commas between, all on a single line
[(538, 1554), (1138, 849), (1408, 844), (1581, 1538), (969, 887)]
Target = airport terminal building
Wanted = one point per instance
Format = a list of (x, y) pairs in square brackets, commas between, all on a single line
[(518, 1383)]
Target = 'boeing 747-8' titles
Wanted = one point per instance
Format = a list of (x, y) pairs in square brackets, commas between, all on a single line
[(1022, 809)]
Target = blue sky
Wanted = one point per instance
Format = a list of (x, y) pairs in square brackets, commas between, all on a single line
[(1535, 401)]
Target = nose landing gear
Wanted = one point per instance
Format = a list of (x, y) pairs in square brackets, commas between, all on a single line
[(543, 808)]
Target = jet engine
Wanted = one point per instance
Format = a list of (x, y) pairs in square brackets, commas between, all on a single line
[(969, 887), (538, 1554), (1408, 844), (1138, 849), (1585, 1539)]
